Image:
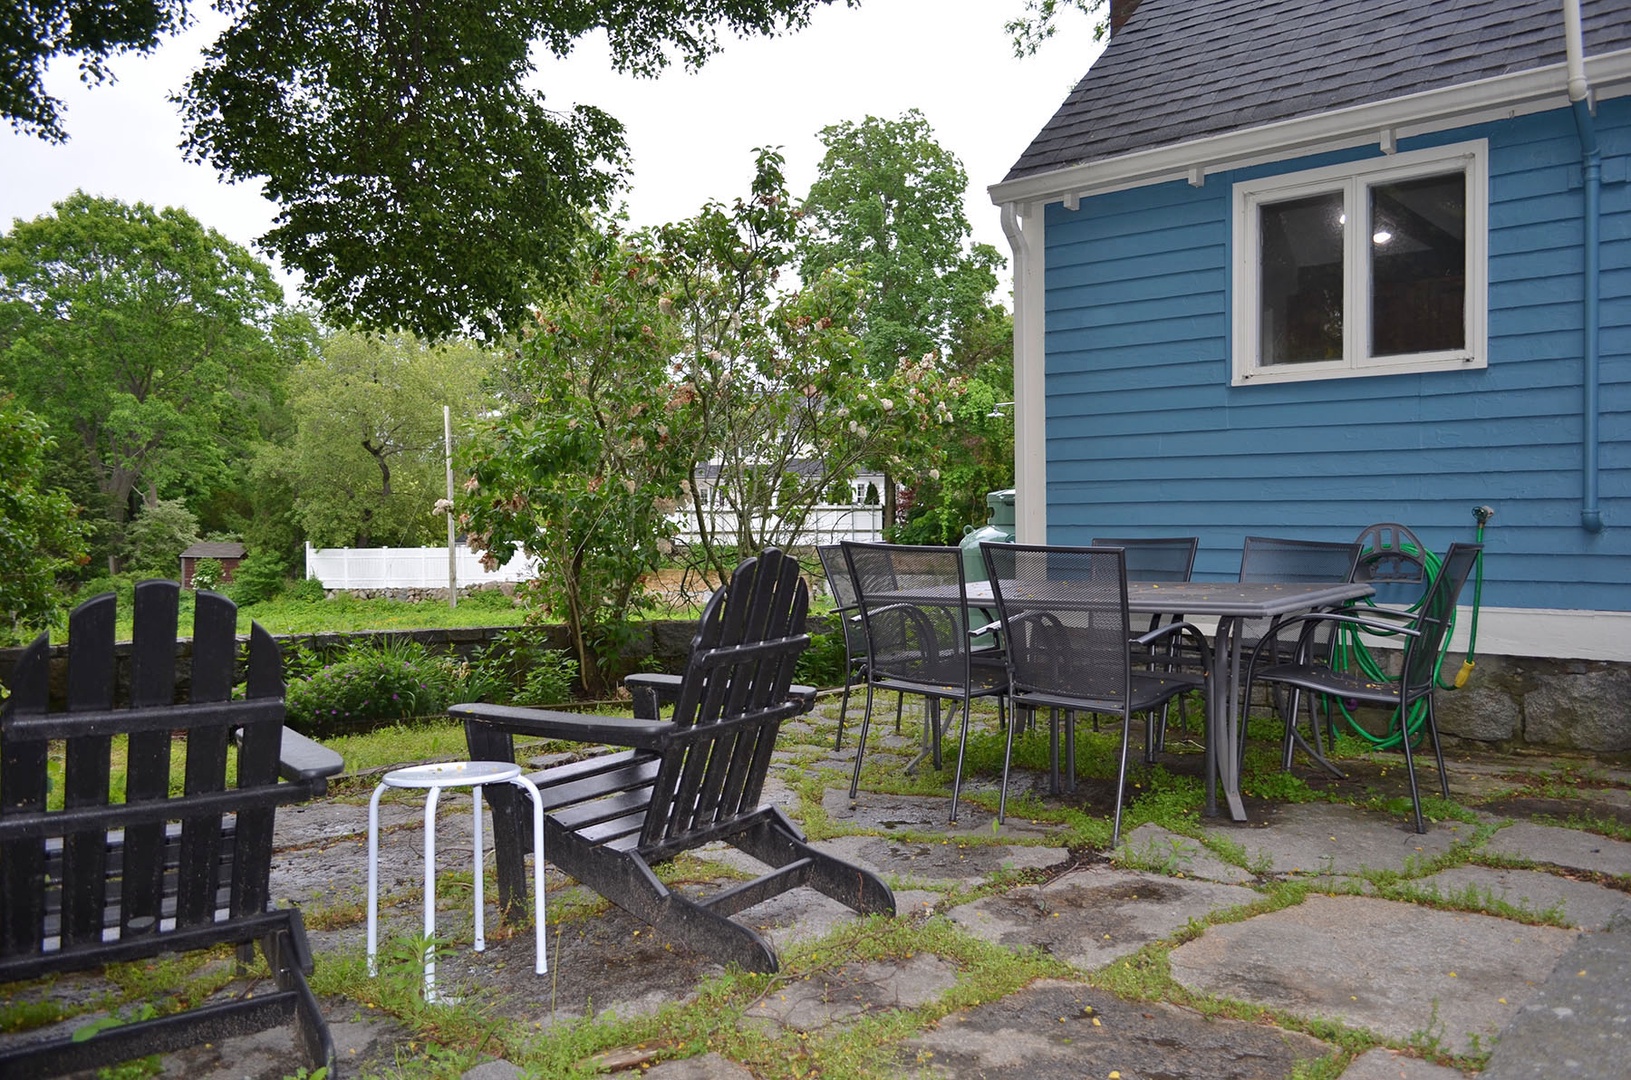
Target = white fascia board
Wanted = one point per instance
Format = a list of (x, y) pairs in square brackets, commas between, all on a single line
[(1502, 97)]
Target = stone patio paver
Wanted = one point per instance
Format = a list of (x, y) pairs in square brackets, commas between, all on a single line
[(1558, 846), (1055, 1030), (1322, 839), (1583, 903), (1097, 914), (1391, 1065), (1403, 971)]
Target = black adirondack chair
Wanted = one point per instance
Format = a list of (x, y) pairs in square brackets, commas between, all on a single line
[(682, 782), (90, 876)]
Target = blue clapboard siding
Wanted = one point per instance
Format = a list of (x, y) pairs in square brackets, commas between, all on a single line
[(1146, 436)]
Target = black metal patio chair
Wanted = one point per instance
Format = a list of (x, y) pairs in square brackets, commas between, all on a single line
[(847, 609), (1296, 665), (1160, 559), (914, 601), (1068, 642)]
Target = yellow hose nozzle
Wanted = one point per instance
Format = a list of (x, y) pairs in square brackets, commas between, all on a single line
[(1464, 674)]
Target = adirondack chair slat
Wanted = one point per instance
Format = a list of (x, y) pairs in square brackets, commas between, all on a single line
[(696, 779), (114, 875), (22, 790), (215, 648), (147, 770), (87, 764), (258, 748)]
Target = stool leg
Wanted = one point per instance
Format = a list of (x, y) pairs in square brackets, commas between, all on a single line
[(430, 893), (481, 940), (373, 879), (541, 967)]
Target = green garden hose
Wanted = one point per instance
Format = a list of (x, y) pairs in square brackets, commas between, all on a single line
[(1351, 653)]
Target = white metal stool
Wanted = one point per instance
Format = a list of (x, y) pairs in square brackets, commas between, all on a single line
[(471, 774)]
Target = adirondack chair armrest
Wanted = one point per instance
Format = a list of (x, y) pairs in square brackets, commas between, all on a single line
[(303, 759), (571, 727), (652, 690)]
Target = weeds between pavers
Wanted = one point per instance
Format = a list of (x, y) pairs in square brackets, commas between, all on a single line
[(445, 1039)]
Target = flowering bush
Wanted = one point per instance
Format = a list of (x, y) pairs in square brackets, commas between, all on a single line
[(370, 686)]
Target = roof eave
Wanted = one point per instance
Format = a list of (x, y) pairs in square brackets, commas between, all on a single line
[(1526, 91)]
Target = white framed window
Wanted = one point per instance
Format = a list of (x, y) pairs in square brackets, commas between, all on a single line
[(1375, 267)]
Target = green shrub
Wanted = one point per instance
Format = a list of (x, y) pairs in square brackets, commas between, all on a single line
[(824, 663), (550, 681), (158, 536), (258, 578), (371, 685), (207, 573), (308, 590), (514, 669)]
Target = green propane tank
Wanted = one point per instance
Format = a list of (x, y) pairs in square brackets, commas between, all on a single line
[(998, 529)]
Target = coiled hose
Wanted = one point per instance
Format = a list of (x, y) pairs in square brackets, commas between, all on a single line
[(1350, 652)]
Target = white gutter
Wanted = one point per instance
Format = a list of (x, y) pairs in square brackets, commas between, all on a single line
[(1023, 227), (1524, 91)]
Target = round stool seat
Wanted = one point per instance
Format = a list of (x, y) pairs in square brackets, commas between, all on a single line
[(452, 774)]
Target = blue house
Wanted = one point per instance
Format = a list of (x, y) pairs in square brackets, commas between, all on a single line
[(1292, 267)]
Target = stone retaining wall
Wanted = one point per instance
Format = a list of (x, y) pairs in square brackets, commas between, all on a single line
[(1508, 701)]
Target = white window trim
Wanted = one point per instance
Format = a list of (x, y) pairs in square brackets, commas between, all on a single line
[(1353, 178)]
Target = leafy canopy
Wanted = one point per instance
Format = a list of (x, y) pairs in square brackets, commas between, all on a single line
[(366, 464), (142, 334), (423, 185), (41, 537), (33, 32), (888, 203), (589, 457)]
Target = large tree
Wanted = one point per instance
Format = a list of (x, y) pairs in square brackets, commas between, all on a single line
[(589, 458), (422, 183), (366, 463), (33, 32), (41, 537), (784, 394), (888, 203), (143, 335)]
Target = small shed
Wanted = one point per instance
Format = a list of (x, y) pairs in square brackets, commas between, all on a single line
[(229, 553)]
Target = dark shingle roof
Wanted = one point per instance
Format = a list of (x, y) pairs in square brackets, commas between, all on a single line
[(1188, 69), (214, 549)]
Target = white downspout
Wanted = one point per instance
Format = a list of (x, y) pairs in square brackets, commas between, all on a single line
[(1030, 405)]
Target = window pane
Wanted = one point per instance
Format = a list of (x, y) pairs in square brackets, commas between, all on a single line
[(1419, 265), (1300, 316)]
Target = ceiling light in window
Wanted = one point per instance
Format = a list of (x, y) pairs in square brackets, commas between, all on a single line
[(1381, 236)]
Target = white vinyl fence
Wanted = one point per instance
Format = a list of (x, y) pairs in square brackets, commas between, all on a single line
[(825, 525), (407, 568), (426, 567)]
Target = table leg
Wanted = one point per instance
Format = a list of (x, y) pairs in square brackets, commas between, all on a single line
[(373, 880), (475, 829), (430, 893), (1223, 721), (541, 965)]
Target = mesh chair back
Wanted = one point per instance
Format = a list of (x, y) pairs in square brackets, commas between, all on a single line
[(1437, 615), (1273, 559), (1065, 622), (842, 588), (1165, 558), (915, 607)]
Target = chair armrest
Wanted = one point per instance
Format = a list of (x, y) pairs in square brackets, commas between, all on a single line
[(660, 689), (301, 758), (572, 727), (1179, 629)]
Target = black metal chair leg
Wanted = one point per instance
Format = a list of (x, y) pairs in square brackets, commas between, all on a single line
[(860, 744)]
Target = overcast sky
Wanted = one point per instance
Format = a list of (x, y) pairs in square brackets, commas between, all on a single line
[(691, 135)]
